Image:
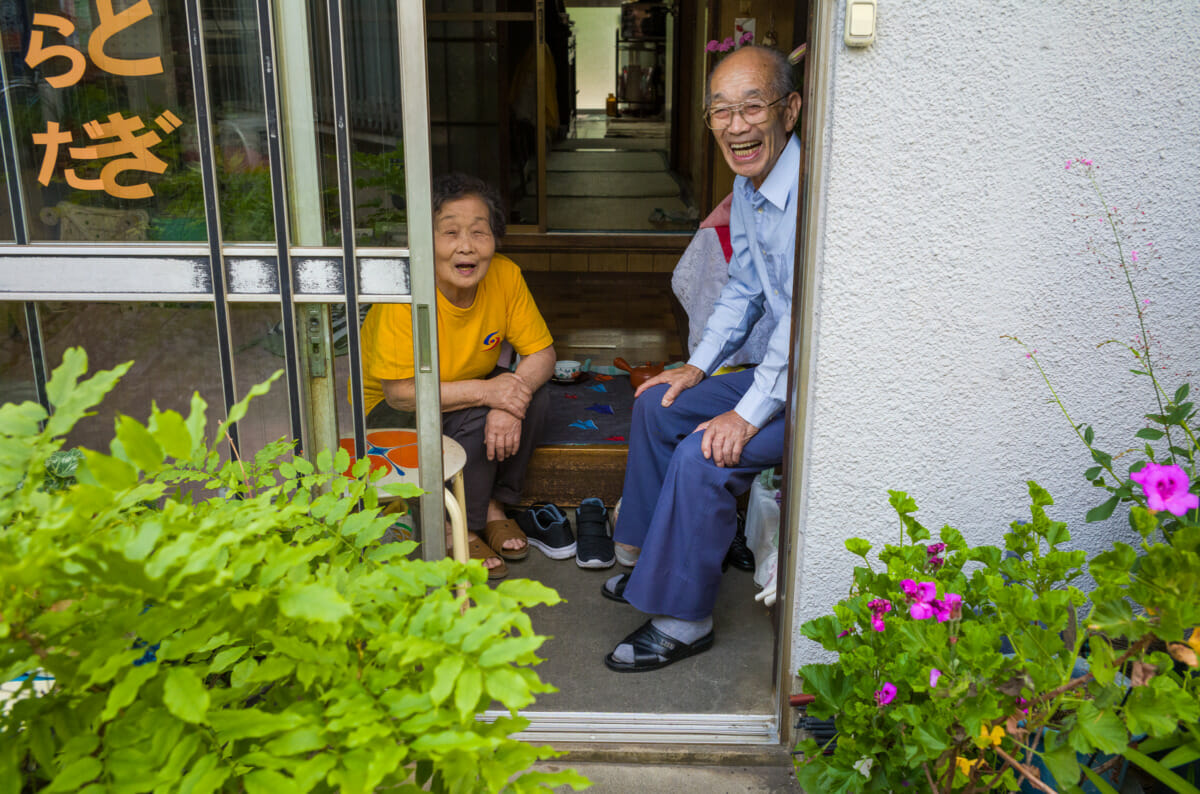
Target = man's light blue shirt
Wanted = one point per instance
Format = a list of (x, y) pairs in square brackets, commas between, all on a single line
[(763, 231)]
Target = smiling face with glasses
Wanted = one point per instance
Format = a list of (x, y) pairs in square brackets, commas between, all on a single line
[(750, 126)]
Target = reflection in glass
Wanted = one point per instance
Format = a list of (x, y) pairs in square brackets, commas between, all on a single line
[(483, 102), (7, 230), (373, 92), (102, 108), (172, 347), (16, 369), (258, 353), (240, 135)]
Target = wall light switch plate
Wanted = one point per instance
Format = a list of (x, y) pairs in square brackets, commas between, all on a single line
[(860, 22)]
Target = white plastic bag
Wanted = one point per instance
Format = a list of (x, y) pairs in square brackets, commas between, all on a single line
[(762, 535)]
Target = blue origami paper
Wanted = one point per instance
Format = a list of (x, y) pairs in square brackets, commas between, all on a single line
[(580, 425), (598, 387), (601, 408)]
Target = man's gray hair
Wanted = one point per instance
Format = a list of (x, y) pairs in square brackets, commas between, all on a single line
[(780, 83)]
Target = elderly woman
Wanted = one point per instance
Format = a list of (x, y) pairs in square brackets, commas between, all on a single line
[(496, 414)]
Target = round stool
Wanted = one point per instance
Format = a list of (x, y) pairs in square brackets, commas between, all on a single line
[(394, 449)]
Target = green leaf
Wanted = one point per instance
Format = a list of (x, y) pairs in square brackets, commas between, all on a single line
[(301, 740), (1181, 393), (1092, 473), (313, 602), (268, 781), (108, 472), (1089, 435), (233, 724), (171, 433), (1150, 434), (468, 692), (1102, 730), (858, 547), (444, 677), (205, 776), (1101, 512), (1164, 775), (1098, 781), (1142, 521), (75, 774), (126, 690), (138, 445), (1063, 763), (184, 695)]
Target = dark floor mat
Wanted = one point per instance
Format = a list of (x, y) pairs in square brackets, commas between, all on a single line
[(596, 409)]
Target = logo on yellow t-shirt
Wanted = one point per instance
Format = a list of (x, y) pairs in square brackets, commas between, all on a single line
[(491, 340)]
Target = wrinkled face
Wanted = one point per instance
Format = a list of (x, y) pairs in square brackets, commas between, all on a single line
[(751, 149), (462, 247)]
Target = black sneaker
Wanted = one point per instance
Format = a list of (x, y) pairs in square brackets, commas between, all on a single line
[(595, 543), (548, 530)]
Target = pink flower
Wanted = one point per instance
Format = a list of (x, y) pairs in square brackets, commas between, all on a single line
[(950, 608), (885, 694), (926, 591), (921, 610), (746, 38), (936, 562), (935, 548), (934, 675), (909, 587), (1068, 165), (877, 622), (880, 606), (727, 45), (1133, 256), (712, 46), (1166, 488)]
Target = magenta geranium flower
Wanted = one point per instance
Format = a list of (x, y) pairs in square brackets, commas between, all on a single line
[(920, 610), (885, 694), (934, 675), (926, 591), (909, 587), (877, 622), (1166, 488), (712, 46)]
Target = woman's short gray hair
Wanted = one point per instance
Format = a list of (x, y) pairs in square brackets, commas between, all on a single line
[(780, 83), (452, 187)]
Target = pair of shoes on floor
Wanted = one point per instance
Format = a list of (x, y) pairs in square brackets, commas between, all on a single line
[(653, 650), (548, 530), (594, 547)]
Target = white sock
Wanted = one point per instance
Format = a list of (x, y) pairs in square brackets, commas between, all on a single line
[(687, 631), (611, 584)]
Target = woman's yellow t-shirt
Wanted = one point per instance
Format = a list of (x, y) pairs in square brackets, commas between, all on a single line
[(468, 339)]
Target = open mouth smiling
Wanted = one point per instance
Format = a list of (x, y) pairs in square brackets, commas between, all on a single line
[(746, 150)]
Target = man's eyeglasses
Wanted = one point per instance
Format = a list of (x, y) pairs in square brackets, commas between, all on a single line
[(754, 112)]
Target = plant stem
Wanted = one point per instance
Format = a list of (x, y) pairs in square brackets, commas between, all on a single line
[(929, 778), (1024, 771), (1108, 215)]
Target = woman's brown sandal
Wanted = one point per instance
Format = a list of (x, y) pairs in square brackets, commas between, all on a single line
[(497, 533), (478, 550)]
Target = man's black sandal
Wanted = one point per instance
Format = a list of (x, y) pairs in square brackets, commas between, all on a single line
[(618, 592), (653, 650)]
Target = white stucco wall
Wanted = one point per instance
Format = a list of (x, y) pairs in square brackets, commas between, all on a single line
[(948, 223)]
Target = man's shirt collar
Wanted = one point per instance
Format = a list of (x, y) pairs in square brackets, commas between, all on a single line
[(778, 185)]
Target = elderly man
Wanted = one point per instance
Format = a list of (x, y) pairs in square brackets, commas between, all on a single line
[(698, 441)]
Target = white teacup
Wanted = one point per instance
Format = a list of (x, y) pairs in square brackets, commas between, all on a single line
[(566, 369)]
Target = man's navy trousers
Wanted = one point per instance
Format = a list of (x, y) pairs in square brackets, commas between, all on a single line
[(680, 508)]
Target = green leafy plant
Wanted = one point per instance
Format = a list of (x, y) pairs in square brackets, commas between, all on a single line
[(986, 681), (924, 691), (225, 625)]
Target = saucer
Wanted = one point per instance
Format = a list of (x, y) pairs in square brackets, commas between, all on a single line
[(568, 381)]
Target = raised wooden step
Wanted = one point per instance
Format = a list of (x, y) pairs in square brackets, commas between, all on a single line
[(566, 475)]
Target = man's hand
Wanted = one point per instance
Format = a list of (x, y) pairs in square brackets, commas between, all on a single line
[(502, 433), (680, 378), (507, 392), (724, 438)]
